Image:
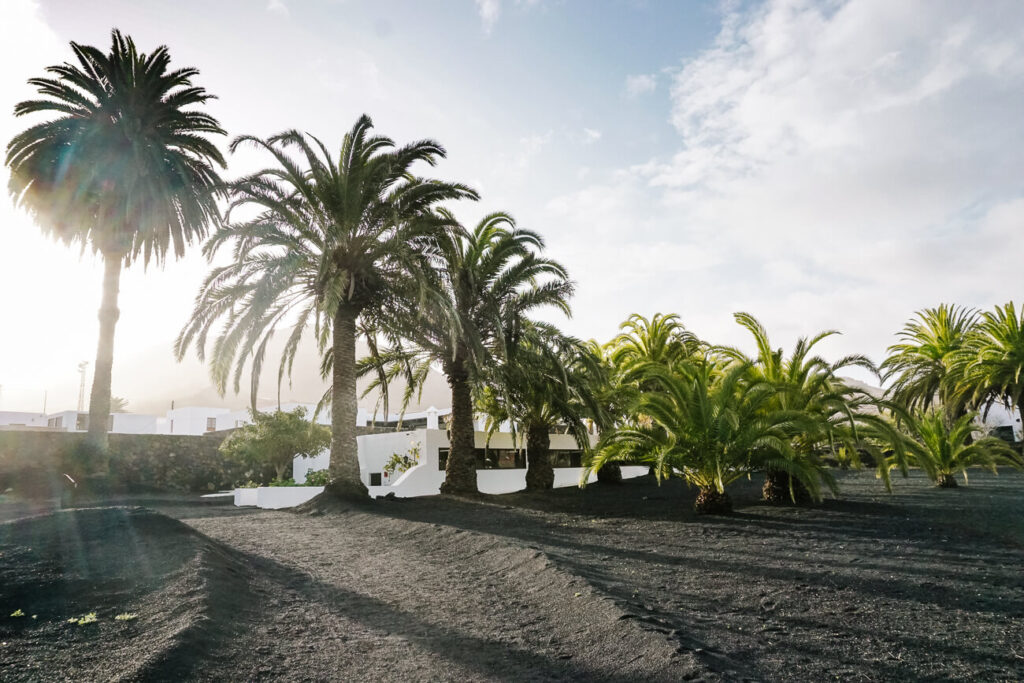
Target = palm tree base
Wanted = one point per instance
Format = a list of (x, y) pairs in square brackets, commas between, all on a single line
[(711, 502), (776, 489), (347, 490), (946, 481), (611, 473)]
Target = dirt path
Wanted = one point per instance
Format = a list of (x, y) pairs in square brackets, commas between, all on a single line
[(612, 583)]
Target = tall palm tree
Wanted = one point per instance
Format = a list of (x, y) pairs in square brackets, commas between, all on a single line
[(331, 241), (807, 383), (919, 363), (709, 425), (545, 382), (487, 281), (989, 369), (124, 167)]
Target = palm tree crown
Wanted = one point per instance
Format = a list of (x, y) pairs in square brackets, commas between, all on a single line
[(124, 167), (920, 361)]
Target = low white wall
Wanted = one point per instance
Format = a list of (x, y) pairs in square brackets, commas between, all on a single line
[(302, 465), (245, 497), (277, 497)]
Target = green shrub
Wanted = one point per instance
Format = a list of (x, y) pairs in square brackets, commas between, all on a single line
[(273, 440), (318, 478)]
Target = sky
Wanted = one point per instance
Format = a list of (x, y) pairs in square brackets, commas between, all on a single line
[(822, 165)]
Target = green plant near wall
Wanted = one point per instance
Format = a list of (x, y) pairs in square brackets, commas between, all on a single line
[(399, 463), (317, 478)]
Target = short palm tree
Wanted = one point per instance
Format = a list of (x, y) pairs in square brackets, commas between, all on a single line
[(124, 167), (661, 339), (989, 369), (710, 425), (328, 242), (809, 384), (487, 280), (546, 382), (919, 364), (943, 449)]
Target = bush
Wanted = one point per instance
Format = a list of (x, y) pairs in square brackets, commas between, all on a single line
[(318, 478), (273, 440)]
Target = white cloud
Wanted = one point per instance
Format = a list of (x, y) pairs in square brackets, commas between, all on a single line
[(591, 135), (640, 84), (278, 7), (849, 162), (489, 11)]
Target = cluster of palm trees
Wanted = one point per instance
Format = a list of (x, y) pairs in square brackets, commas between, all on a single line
[(357, 245), (712, 414), (346, 246)]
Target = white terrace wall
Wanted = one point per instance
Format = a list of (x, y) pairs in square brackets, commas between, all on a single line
[(425, 479)]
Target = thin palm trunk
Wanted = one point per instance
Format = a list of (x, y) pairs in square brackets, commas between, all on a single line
[(540, 475), (99, 397), (460, 471), (344, 467)]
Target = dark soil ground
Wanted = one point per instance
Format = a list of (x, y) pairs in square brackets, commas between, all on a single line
[(615, 583)]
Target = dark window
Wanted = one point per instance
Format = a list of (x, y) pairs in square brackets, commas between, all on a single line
[(566, 459), (442, 459), (499, 459), (375, 478)]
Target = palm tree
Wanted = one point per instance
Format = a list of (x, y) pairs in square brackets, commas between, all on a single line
[(661, 340), (332, 242), (989, 369), (809, 384), (943, 449), (545, 383), (709, 425), (124, 168), (920, 361), (488, 280)]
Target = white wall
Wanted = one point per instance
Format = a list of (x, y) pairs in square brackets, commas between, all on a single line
[(192, 420), (21, 419)]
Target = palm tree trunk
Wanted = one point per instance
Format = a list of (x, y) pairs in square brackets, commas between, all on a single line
[(540, 476), (460, 471), (99, 396), (344, 467)]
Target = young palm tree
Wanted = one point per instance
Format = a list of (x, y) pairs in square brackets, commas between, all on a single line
[(332, 241), (809, 384), (123, 168), (920, 361), (709, 425), (943, 449), (989, 369), (546, 382), (662, 339), (488, 280)]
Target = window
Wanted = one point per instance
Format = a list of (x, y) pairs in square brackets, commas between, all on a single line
[(566, 459), (375, 478), (442, 458), (211, 424)]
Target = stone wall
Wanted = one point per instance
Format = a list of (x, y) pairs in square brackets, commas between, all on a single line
[(138, 462)]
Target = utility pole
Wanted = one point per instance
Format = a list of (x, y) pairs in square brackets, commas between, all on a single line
[(81, 385)]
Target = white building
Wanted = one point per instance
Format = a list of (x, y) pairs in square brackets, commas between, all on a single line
[(15, 420), (501, 468), (118, 423)]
